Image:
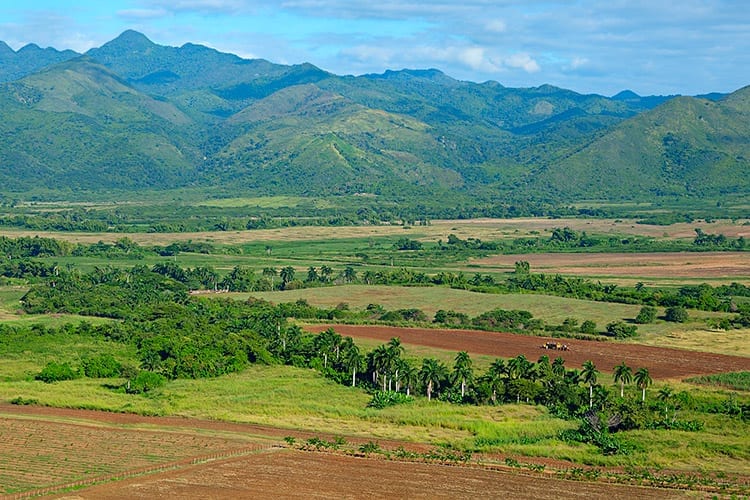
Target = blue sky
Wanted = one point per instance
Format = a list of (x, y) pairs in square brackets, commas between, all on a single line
[(651, 47)]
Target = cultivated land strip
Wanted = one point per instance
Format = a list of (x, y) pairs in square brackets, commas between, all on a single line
[(662, 363), (248, 463)]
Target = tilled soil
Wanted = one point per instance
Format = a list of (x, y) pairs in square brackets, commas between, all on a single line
[(296, 474), (653, 264), (662, 363)]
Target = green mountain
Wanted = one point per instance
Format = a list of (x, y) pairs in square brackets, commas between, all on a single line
[(134, 115), (29, 59), (686, 146), (77, 126)]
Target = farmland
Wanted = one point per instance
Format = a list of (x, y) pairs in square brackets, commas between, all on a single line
[(226, 430)]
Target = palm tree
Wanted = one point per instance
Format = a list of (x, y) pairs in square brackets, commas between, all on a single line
[(287, 275), (327, 342), (407, 375), (623, 375), (353, 361), (431, 375), (394, 350), (664, 395), (544, 369), (519, 367), (325, 273), (642, 381), (495, 377), (462, 371), (589, 375), (379, 364), (558, 367), (349, 274), (270, 273), (312, 274)]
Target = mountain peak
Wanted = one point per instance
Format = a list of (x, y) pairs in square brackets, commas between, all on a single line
[(5, 50), (131, 40), (625, 95)]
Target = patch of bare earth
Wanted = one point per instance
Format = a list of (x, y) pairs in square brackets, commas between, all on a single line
[(669, 264), (296, 474), (662, 363)]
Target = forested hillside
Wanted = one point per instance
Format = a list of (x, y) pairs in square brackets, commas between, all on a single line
[(133, 115)]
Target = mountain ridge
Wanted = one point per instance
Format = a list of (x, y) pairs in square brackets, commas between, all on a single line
[(143, 115)]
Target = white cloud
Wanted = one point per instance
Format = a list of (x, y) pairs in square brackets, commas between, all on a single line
[(496, 26), (522, 61), (578, 62)]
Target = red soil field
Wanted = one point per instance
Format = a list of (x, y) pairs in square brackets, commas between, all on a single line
[(662, 363), (296, 474), (666, 264)]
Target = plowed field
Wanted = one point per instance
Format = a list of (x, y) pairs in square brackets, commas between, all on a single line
[(662, 363), (295, 474), (735, 265)]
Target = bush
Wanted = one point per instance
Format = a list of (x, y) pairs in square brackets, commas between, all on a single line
[(144, 382), (54, 372), (383, 399), (104, 366), (588, 327), (621, 330), (676, 314), (647, 314)]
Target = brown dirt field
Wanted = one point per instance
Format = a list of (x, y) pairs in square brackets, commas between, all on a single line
[(295, 474), (669, 264), (662, 363), (485, 229)]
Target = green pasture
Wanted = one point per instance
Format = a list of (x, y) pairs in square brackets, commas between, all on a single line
[(269, 202)]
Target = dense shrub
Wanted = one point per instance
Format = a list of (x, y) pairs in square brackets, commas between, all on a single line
[(144, 382), (104, 366), (646, 315), (54, 372), (676, 314), (621, 330)]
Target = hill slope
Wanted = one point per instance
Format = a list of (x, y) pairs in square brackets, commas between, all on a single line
[(78, 126), (686, 146)]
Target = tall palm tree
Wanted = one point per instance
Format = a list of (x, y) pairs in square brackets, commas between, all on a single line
[(407, 375), (394, 351), (379, 364), (462, 371), (495, 377), (664, 395), (589, 375), (432, 373), (623, 375), (327, 342), (270, 273), (353, 361), (642, 381)]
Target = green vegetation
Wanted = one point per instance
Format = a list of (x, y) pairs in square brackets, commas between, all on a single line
[(739, 381)]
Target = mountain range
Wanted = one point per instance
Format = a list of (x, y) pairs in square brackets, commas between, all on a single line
[(134, 115)]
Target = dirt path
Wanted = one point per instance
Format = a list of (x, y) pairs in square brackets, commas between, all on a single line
[(662, 363)]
